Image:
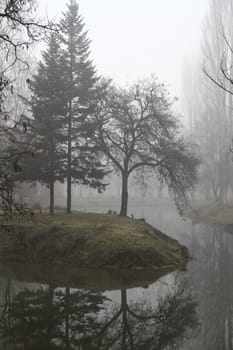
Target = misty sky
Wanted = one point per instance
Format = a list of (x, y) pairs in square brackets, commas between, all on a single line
[(132, 39)]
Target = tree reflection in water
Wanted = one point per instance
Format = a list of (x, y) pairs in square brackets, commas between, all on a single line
[(55, 318), (141, 326)]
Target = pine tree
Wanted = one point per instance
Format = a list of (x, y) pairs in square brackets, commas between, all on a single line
[(48, 107), (82, 164)]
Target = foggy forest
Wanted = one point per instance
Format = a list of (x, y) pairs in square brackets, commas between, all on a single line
[(116, 174)]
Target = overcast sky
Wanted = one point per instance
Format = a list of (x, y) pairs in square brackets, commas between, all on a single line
[(132, 39)]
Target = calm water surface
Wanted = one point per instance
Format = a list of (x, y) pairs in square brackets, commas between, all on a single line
[(183, 310)]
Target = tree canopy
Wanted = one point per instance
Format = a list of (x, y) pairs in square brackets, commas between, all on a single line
[(137, 131), (47, 110), (82, 163)]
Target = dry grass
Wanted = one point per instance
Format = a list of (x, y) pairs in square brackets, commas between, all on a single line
[(91, 240)]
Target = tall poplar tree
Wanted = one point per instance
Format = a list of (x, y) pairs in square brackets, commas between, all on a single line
[(82, 163)]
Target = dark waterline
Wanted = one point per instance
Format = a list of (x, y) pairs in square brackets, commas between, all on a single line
[(187, 310)]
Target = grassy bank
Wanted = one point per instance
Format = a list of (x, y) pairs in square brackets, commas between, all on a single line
[(210, 213), (90, 241)]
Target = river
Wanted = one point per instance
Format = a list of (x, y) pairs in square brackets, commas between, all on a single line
[(184, 310)]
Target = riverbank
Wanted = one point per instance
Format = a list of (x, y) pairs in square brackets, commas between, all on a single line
[(210, 213), (90, 241)]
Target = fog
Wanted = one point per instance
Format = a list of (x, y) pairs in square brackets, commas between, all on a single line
[(131, 39), (116, 131)]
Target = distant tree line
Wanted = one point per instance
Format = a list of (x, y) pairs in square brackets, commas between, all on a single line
[(208, 90), (79, 126)]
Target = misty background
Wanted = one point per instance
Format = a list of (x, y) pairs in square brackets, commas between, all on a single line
[(187, 46), (131, 39), (175, 56)]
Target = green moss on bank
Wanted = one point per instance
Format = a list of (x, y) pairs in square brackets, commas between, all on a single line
[(90, 240)]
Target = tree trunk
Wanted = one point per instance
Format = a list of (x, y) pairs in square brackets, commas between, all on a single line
[(67, 318), (50, 315), (51, 195), (160, 191), (124, 194), (124, 318), (69, 155), (124, 300)]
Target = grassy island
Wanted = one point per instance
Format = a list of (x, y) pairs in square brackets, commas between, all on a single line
[(88, 240)]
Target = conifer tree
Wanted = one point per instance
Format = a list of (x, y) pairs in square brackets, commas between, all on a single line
[(82, 163), (48, 107)]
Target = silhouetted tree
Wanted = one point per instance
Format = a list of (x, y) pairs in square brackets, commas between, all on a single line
[(49, 318), (55, 318), (82, 164), (19, 30), (142, 326), (138, 132), (48, 107)]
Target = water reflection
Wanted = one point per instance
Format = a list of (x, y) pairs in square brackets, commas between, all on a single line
[(210, 279), (161, 316), (46, 317), (139, 325), (210, 275), (212, 282)]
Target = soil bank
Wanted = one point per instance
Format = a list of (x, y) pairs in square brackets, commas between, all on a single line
[(87, 240)]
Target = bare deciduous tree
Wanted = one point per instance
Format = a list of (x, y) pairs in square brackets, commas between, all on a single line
[(19, 30), (138, 132)]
